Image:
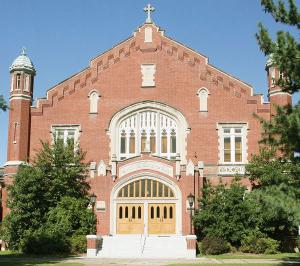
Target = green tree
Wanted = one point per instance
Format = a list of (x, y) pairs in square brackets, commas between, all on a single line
[(3, 105), (283, 131), (275, 171), (285, 50), (37, 190), (276, 191), (225, 212), (72, 217)]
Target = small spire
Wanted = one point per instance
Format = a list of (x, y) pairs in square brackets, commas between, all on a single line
[(23, 50), (149, 9)]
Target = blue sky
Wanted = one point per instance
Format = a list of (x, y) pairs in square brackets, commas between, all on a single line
[(61, 36)]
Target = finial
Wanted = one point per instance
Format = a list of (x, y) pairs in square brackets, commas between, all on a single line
[(149, 9), (23, 50)]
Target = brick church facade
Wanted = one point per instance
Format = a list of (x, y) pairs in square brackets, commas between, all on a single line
[(156, 120)]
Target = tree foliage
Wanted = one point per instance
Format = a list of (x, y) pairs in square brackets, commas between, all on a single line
[(224, 213), (272, 210), (71, 217), (283, 131), (49, 197), (3, 105), (276, 188), (285, 50)]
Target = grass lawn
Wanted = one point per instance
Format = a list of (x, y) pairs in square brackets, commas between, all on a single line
[(279, 256), (291, 257), (9, 258), (235, 264)]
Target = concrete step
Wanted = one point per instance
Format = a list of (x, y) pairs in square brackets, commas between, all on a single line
[(137, 246)]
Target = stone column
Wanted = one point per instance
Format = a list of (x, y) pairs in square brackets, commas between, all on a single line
[(191, 242), (93, 245)]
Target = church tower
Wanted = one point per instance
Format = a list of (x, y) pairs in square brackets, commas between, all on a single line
[(21, 91), (275, 93)]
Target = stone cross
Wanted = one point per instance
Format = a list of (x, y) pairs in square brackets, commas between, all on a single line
[(149, 9), (23, 50)]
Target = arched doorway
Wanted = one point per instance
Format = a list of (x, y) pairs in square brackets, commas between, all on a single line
[(146, 205)]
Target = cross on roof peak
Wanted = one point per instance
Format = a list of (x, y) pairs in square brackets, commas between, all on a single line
[(149, 9), (23, 50)]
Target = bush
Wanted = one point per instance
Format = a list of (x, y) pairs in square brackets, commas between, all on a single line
[(78, 244), (214, 245), (42, 241), (257, 243)]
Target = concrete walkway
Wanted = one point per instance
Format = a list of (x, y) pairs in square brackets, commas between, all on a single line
[(160, 262)]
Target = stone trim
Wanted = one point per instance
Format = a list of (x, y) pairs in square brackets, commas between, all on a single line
[(14, 163)]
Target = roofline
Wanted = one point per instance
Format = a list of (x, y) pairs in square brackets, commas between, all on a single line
[(207, 62), (229, 75), (187, 47), (113, 47), (79, 72)]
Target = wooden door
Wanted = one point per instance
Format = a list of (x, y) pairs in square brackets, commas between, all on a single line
[(130, 218), (161, 218)]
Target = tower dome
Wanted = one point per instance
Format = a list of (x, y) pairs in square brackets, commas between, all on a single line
[(22, 62)]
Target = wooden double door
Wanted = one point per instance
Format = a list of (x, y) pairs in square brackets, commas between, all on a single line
[(161, 218), (131, 218)]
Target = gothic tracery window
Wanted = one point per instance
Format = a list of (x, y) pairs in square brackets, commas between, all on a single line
[(148, 131)]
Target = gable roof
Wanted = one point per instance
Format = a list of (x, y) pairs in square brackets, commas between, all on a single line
[(124, 49)]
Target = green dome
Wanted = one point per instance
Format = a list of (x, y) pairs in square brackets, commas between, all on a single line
[(22, 62)]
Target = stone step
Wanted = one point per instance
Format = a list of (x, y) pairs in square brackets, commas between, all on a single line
[(137, 246)]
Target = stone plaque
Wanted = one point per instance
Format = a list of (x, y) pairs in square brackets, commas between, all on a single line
[(231, 169), (146, 165)]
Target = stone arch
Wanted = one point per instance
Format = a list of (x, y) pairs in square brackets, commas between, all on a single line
[(123, 182)]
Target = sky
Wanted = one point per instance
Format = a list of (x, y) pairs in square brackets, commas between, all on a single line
[(62, 36)]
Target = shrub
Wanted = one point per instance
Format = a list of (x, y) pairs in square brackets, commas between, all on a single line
[(78, 244), (214, 245), (42, 241), (257, 243), (268, 245)]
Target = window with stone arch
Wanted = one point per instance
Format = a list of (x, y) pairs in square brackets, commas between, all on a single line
[(203, 96), (94, 98), (148, 131), (148, 126)]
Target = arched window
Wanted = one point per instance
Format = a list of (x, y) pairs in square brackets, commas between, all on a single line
[(12, 83), (18, 81), (26, 83), (157, 128), (94, 97), (146, 188), (203, 95)]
